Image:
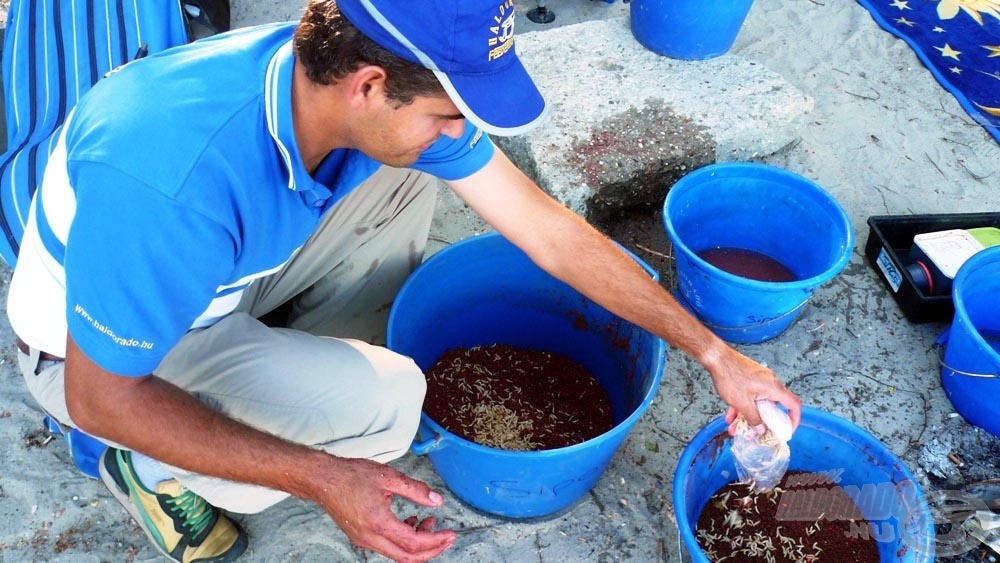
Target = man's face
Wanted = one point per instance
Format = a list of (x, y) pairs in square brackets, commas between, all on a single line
[(396, 134)]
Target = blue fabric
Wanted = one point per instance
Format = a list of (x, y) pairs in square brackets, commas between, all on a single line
[(55, 51), (959, 44)]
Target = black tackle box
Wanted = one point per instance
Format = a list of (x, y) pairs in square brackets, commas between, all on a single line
[(890, 238)]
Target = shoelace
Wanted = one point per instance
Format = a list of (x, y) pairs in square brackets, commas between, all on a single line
[(194, 511)]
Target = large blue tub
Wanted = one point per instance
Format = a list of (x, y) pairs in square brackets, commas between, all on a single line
[(484, 291)]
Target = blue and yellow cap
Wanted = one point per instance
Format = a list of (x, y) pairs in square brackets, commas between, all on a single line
[(469, 44)]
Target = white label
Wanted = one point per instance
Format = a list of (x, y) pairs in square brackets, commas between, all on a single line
[(948, 250), (889, 270)]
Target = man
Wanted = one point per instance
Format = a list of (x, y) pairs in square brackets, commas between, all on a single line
[(193, 192)]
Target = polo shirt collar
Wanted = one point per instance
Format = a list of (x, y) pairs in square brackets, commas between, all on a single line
[(278, 110)]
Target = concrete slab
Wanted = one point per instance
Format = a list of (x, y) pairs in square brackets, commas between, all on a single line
[(626, 123)]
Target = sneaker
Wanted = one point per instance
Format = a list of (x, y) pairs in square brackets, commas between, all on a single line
[(182, 525)]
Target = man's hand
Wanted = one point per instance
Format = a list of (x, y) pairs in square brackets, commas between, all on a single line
[(741, 381), (359, 501)]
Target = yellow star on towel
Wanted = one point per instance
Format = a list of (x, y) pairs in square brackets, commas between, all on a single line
[(955, 70), (904, 21), (947, 51), (993, 49), (989, 110), (901, 4)]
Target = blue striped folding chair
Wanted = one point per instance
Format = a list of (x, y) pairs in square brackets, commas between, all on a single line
[(53, 52)]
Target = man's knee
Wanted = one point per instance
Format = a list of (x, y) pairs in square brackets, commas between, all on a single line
[(401, 396), (384, 406)]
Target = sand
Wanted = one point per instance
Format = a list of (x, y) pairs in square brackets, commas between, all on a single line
[(884, 138)]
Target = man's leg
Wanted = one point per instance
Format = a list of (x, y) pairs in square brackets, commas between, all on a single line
[(345, 396), (351, 398), (344, 280), (298, 385)]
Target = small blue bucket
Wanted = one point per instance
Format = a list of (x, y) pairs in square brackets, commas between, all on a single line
[(484, 290), (758, 208), (688, 29), (970, 370), (83, 448), (878, 482)]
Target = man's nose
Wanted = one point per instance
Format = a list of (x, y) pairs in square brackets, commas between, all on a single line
[(453, 128)]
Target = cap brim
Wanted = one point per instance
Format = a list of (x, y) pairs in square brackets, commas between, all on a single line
[(502, 103)]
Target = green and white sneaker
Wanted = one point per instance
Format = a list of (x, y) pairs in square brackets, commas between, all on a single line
[(182, 525)]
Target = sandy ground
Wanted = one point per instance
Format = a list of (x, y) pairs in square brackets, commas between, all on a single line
[(884, 138)]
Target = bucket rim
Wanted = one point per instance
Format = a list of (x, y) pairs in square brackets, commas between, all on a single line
[(816, 418), (970, 268), (494, 235), (735, 167), (444, 254), (444, 435)]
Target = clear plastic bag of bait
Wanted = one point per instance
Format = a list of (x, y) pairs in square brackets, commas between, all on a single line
[(762, 458)]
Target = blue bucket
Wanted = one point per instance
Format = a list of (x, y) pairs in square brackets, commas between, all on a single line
[(763, 209), (971, 365), (878, 482), (484, 290), (688, 29)]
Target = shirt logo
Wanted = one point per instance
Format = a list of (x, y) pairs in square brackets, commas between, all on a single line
[(475, 139), (502, 38)]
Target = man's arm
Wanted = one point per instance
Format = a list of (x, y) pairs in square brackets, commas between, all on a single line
[(570, 249), (156, 418)]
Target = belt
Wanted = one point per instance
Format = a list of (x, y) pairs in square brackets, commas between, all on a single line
[(42, 356)]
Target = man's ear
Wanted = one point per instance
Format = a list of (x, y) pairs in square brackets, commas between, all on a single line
[(366, 86)]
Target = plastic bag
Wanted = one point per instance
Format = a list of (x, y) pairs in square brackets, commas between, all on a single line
[(762, 459)]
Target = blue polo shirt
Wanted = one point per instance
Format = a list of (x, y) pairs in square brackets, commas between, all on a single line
[(177, 182)]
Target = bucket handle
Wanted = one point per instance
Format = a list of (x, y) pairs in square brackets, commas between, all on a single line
[(426, 446), (940, 343)]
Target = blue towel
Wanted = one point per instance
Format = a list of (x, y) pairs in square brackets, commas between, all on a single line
[(958, 41), (54, 51)]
